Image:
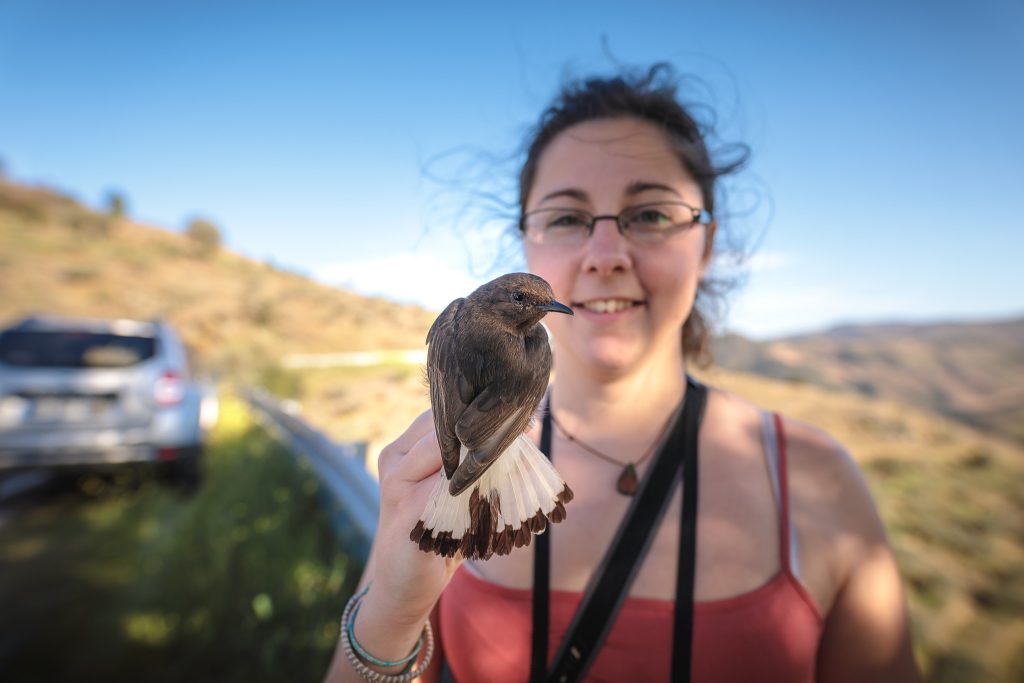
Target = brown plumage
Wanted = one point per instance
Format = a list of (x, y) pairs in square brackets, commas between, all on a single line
[(488, 364)]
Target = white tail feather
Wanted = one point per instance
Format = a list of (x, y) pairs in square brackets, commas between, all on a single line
[(501, 510)]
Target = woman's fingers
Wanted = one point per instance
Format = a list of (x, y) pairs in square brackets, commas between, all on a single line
[(422, 460), (393, 452), (401, 484), (423, 423)]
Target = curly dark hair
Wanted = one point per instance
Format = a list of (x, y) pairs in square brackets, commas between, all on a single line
[(650, 95)]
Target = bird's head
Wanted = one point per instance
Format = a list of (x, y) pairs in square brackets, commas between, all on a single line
[(518, 300)]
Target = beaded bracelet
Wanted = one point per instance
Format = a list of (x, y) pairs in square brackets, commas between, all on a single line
[(366, 655), (351, 647)]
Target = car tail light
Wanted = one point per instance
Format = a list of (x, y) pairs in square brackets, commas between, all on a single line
[(169, 389)]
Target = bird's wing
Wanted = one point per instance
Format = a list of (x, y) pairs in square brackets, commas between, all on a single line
[(500, 413), (443, 377)]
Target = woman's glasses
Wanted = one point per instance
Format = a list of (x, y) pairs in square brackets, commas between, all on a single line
[(642, 224)]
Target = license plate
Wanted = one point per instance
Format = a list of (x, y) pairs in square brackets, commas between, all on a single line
[(69, 408), (47, 409)]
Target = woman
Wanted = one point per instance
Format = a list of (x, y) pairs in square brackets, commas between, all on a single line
[(794, 578)]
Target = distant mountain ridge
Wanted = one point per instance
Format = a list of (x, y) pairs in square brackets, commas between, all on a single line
[(972, 371), (59, 256)]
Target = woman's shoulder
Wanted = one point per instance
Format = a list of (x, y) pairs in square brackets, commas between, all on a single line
[(822, 469), (829, 499), (848, 560), (814, 455), (832, 506)]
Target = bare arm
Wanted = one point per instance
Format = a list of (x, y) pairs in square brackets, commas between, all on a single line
[(406, 583), (867, 632), (867, 635)]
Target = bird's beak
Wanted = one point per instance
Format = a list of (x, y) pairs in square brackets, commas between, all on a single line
[(555, 307)]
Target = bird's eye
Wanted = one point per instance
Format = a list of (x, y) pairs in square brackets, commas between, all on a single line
[(517, 296)]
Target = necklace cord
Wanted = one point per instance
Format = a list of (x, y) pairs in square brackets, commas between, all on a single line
[(607, 458)]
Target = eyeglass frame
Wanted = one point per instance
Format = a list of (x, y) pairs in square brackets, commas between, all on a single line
[(700, 217)]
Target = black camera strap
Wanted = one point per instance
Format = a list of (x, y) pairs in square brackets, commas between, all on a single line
[(610, 584)]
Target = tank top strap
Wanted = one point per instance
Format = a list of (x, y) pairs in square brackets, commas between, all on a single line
[(774, 442)]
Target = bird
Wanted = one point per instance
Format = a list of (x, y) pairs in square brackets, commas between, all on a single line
[(488, 366)]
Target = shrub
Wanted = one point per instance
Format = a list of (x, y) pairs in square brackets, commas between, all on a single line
[(81, 273), (281, 382), (205, 236), (116, 204), (244, 580), (87, 223)]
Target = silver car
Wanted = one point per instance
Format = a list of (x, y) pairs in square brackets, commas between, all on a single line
[(88, 393)]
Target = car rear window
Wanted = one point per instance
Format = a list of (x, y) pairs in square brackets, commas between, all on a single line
[(69, 349)]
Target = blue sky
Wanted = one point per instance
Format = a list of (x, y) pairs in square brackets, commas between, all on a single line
[(886, 141)]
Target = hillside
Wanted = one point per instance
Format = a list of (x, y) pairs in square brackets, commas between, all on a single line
[(972, 372), (951, 497), (58, 256), (950, 494)]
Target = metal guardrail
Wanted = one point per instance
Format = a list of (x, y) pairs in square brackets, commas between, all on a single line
[(351, 493)]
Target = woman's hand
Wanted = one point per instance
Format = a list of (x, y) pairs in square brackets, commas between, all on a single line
[(407, 581)]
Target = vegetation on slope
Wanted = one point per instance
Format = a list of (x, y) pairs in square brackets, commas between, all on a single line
[(972, 372), (244, 581), (238, 316), (950, 495)]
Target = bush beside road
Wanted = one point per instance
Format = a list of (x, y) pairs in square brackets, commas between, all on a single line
[(126, 580)]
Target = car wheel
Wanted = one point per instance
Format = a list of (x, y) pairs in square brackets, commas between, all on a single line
[(185, 473)]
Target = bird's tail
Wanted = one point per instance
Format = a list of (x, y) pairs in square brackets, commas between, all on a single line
[(511, 501)]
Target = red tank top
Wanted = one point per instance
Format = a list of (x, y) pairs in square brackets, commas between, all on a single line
[(768, 634)]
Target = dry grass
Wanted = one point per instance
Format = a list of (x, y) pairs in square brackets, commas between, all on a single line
[(234, 313), (952, 497), (973, 373), (372, 405)]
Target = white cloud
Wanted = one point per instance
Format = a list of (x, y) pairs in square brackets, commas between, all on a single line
[(409, 277), (760, 262), (769, 260), (767, 310)]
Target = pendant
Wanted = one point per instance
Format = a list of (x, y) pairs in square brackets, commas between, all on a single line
[(627, 481)]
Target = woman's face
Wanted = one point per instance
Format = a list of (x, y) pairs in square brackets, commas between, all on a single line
[(630, 300)]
